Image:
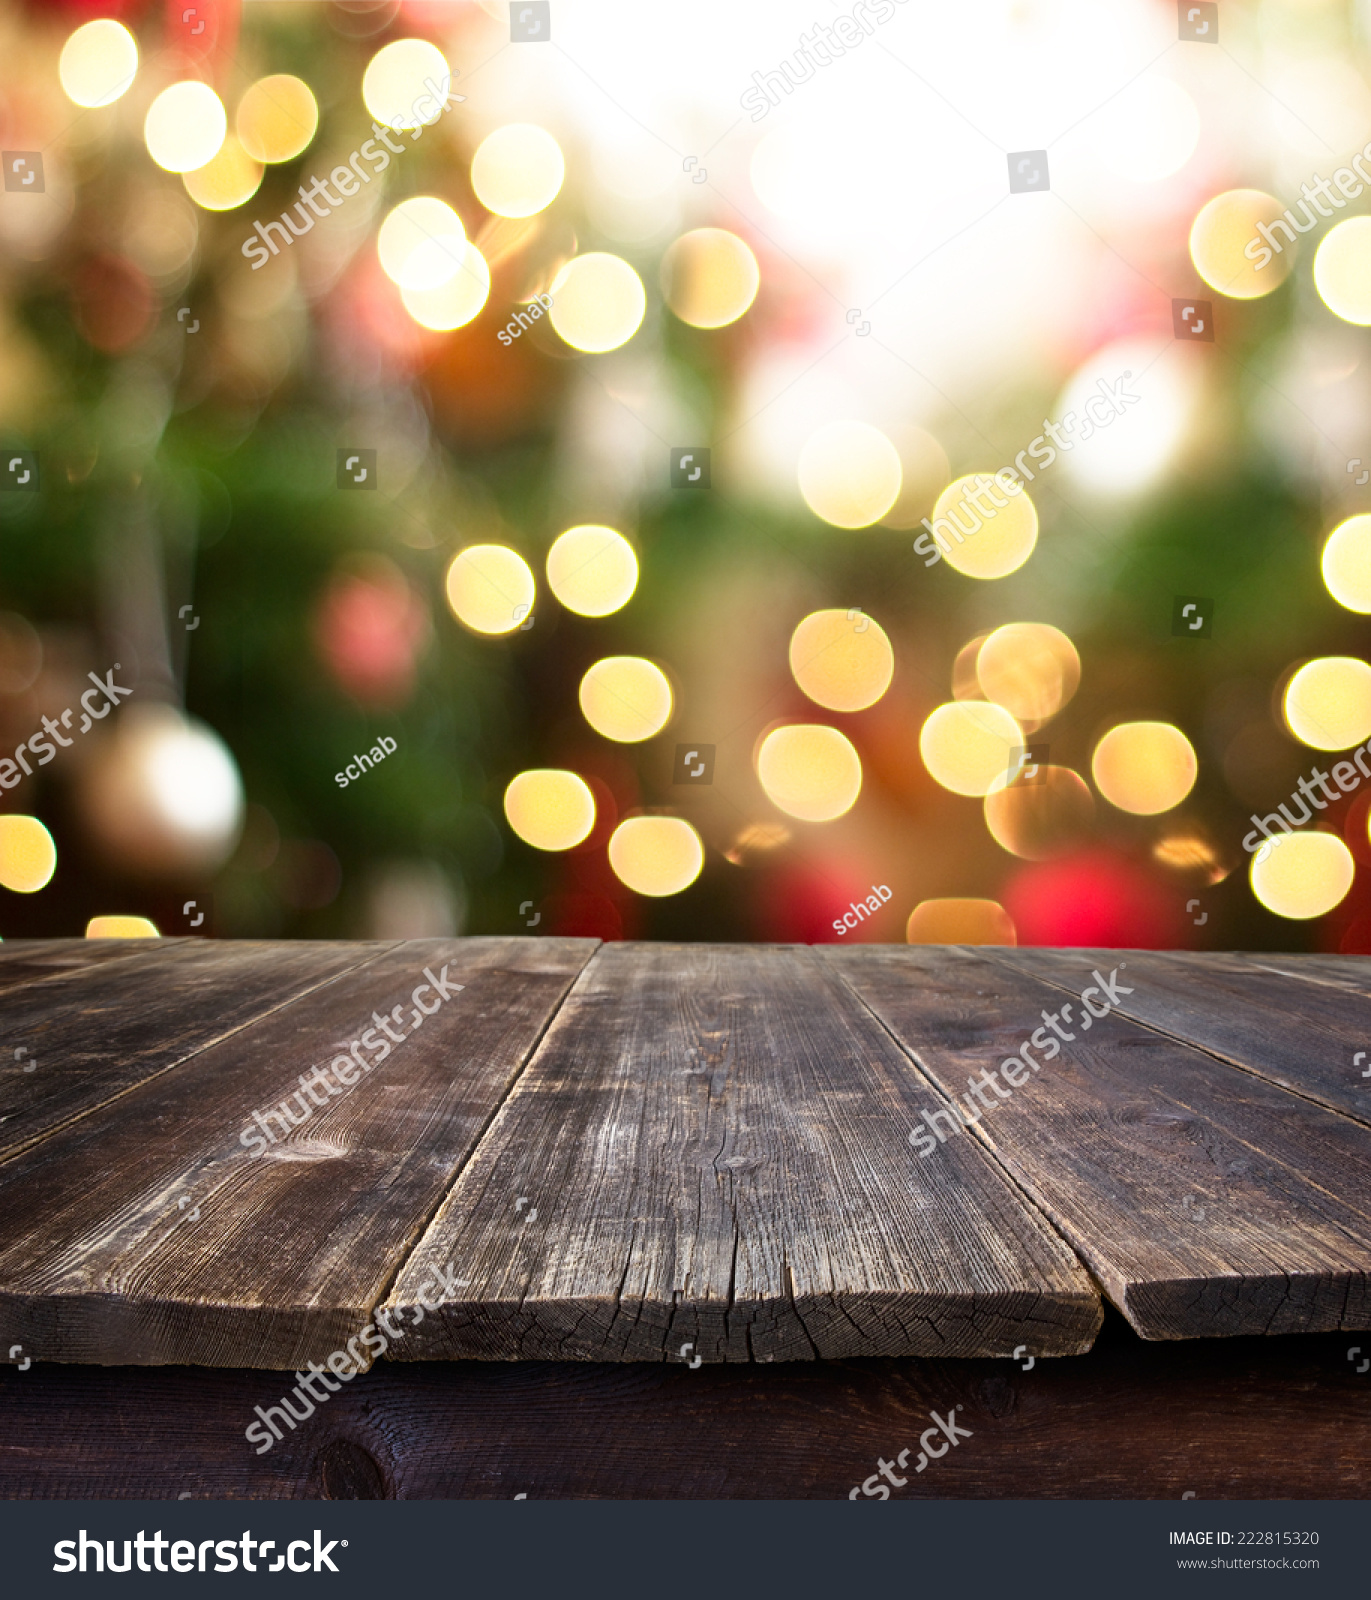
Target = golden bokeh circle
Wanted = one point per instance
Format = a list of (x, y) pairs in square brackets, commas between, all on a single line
[(598, 302), (1346, 563), (1342, 270), (849, 474), (809, 771), (1040, 817), (1030, 668), (626, 698), (960, 921), (1327, 703), (968, 746), (98, 63), (1302, 875), (395, 82), (842, 662), (276, 118), (1221, 235), (490, 588), (988, 543), (229, 181), (550, 808), (422, 243), (518, 170), (456, 302), (121, 928), (185, 126), (709, 277), (656, 856), (28, 856), (1144, 767), (592, 570)]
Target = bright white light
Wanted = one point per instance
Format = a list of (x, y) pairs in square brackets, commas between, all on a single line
[(195, 784), (1125, 452), (1148, 132)]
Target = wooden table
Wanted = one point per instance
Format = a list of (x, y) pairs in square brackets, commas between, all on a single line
[(682, 1219)]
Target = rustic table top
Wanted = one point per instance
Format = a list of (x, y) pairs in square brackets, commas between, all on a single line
[(245, 1155)]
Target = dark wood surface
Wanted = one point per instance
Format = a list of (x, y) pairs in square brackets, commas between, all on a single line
[(1204, 1199), (1232, 1419), (715, 1140)]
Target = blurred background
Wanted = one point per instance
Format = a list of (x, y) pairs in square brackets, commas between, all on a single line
[(683, 604)]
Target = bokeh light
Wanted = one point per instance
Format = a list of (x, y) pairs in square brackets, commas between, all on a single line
[(598, 302), (968, 746), (1346, 563), (490, 588), (1148, 131), (185, 126), (550, 809), (656, 855), (1144, 767), (456, 302), (393, 83), (1327, 703), (626, 699), (709, 277), (276, 118), (989, 542), (960, 922), (422, 243), (98, 63), (1220, 235), (1029, 668), (1342, 270), (231, 179), (809, 771), (1040, 818), (841, 662), (1302, 875), (849, 474), (592, 570), (121, 928), (518, 170), (28, 856)]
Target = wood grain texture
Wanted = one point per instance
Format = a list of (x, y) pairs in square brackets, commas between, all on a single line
[(1204, 1200), (96, 1031), (713, 1140), (104, 1258), (1240, 1419), (1299, 1034), (30, 960)]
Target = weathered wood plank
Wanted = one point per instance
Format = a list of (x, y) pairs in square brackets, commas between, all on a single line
[(31, 960), (713, 1142), (97, 1031), (1299, 1034), (155, 1233), (1241, 1419), (1204, 1200)]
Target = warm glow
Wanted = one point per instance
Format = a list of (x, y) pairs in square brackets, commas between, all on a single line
[(592, 570), (1328, 703), (841, 662), (422, 243), (230, 180), (1041, 817), (809, 771), (1347, 563), (656, 855), (1148, 131), (960, 922), (968, 746), (598, 302), (121, 928), (550, 809), (1302, 875), (626, 698), (517, 170), (709, 277), (489, 588), (1219, 239), (277, 118), (28, 857), (393, 84), (1029, 668), (452, 304), (1190, 852), (185, 126), (1144, 767), (849, 474), (98, 63), (990, 542), (1342, 270)]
